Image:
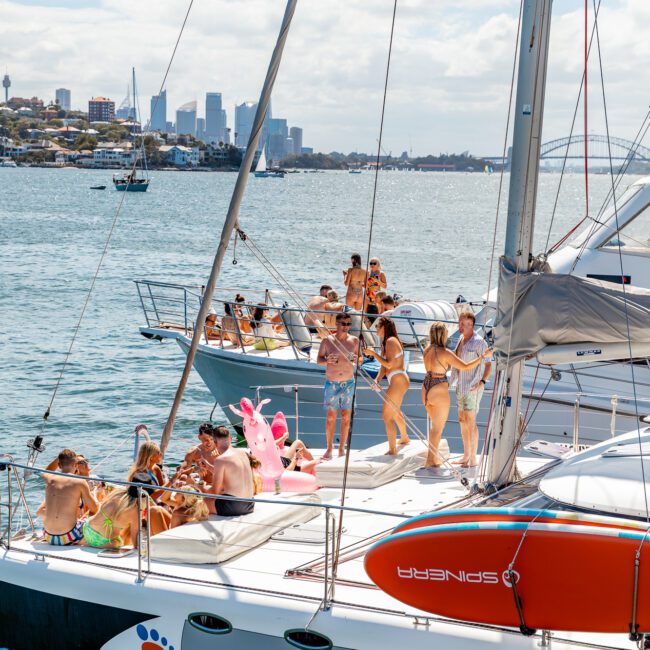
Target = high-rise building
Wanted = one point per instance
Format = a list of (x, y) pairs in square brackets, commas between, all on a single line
[(244, 116), (215, 118), (158, 121), (63, 98), (101, 109), (200, 128), (277, 142), (295, 133), (186, 119), (226, 131)]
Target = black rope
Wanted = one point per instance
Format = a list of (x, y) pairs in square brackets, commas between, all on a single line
[(337, 548), (620, 261), (46, 415)]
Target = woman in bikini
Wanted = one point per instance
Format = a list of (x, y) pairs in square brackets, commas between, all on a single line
[(146, 469), (435, 387), (115, 521), (391, 360), (189, 508), (355, 280)]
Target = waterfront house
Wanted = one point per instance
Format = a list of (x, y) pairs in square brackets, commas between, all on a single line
[(180, 156)]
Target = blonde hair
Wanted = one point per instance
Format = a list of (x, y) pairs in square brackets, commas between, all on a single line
[(124, 498), (193, 504), (438, 334), (146, 452), (375, 259), (332, 295)]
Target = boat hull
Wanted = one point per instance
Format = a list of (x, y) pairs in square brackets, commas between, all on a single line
[(231, 375), (132, 187)]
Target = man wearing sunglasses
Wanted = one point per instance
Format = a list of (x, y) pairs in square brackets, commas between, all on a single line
[(339, 353)]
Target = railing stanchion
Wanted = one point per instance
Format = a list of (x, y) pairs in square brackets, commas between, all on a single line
[(153, 304), (326, 605), (576, 424), (612, 425), (185, 310), (296, 389), (140, 579), (148, 537)]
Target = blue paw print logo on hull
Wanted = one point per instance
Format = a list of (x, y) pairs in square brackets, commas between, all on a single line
[(151, 639)]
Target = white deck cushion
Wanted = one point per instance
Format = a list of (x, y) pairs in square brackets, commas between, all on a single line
[(220, 538), (371, 467)]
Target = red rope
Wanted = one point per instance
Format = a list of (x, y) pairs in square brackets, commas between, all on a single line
[(585, 104)]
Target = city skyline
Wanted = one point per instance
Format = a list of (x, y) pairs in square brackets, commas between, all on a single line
[(450, 71)]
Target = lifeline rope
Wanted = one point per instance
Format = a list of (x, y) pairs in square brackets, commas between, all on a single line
[(46, 415)]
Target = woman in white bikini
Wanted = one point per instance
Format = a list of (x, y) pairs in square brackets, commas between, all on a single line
[(391, 360), (355, 280), (435, 387)]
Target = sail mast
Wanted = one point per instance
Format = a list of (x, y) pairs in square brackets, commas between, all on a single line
[(529, 110), (232, 215)]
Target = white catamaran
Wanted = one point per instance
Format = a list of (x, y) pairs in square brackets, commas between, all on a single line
[(537, 553)]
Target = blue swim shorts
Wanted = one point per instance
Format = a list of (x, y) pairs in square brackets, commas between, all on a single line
[(338, 395)]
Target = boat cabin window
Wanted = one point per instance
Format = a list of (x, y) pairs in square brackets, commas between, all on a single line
[(633, 236), (585, 233)]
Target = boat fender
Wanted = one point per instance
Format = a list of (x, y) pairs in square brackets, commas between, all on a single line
[(297, 330)]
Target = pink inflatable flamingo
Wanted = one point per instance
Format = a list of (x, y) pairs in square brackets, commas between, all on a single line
[(279, 425), (262, 445)]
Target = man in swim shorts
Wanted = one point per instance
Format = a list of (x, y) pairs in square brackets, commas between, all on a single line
[(469, 386), (61, 506), (232, 477), (339, 353)]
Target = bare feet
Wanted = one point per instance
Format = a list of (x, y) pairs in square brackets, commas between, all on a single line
[(404, 441), (327, 455), (460, 461), (391, 452)]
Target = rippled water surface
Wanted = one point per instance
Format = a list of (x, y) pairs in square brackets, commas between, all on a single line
[(433, 233)]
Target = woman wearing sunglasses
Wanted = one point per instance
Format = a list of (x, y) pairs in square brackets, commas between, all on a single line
[(375, 283)]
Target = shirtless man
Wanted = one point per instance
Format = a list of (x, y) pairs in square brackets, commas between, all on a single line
[(338, 353), (355, 280), (232, 477), (202, 456), (316, 303), (63, 499)]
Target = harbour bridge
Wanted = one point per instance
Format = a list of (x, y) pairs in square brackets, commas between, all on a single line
[(573, 147)]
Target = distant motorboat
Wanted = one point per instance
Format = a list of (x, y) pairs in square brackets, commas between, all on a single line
[(354, 171), (98, 187), (8, 163)]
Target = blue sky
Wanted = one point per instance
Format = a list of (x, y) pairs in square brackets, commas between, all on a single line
[(449, 79)]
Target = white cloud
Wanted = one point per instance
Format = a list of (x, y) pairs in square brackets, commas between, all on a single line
[(450, 71)]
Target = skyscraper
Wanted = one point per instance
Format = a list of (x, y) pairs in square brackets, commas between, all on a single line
[(63, 98), (226, 130), (186, 119), (200, 129), (244, 116), (101, 109), (278, 134), (295, 133), (215, 118), (158, 121)]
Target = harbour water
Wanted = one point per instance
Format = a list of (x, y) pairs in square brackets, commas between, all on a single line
[(433, 233)]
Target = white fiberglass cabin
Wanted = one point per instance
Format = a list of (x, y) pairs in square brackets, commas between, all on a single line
[(620, 238)]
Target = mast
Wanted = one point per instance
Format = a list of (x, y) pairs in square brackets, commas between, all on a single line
[(232, 215), (529, 109)]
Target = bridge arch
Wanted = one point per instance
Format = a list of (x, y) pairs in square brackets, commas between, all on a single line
[(599, 148)]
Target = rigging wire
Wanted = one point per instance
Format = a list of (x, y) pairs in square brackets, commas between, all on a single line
[(620, 260), (585, 106), (104, 252), (337, 545)]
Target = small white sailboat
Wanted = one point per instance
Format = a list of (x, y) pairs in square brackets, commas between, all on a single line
[(263, 171)]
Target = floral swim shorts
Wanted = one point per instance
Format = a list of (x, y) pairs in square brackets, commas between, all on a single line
[(471, 401), (338, 395)]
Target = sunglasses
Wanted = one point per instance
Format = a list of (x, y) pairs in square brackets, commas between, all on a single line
[(374, 263), (345, 324)]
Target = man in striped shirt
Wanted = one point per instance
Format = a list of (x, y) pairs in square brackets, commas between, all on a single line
[(469, 386)]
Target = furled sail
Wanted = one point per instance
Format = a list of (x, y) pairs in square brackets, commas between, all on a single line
[(536, 310)]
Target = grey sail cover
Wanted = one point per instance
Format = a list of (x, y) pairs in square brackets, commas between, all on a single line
[(539, 309)]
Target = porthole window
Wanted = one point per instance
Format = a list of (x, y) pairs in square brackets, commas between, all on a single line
[(209, 623), (307, 640)]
